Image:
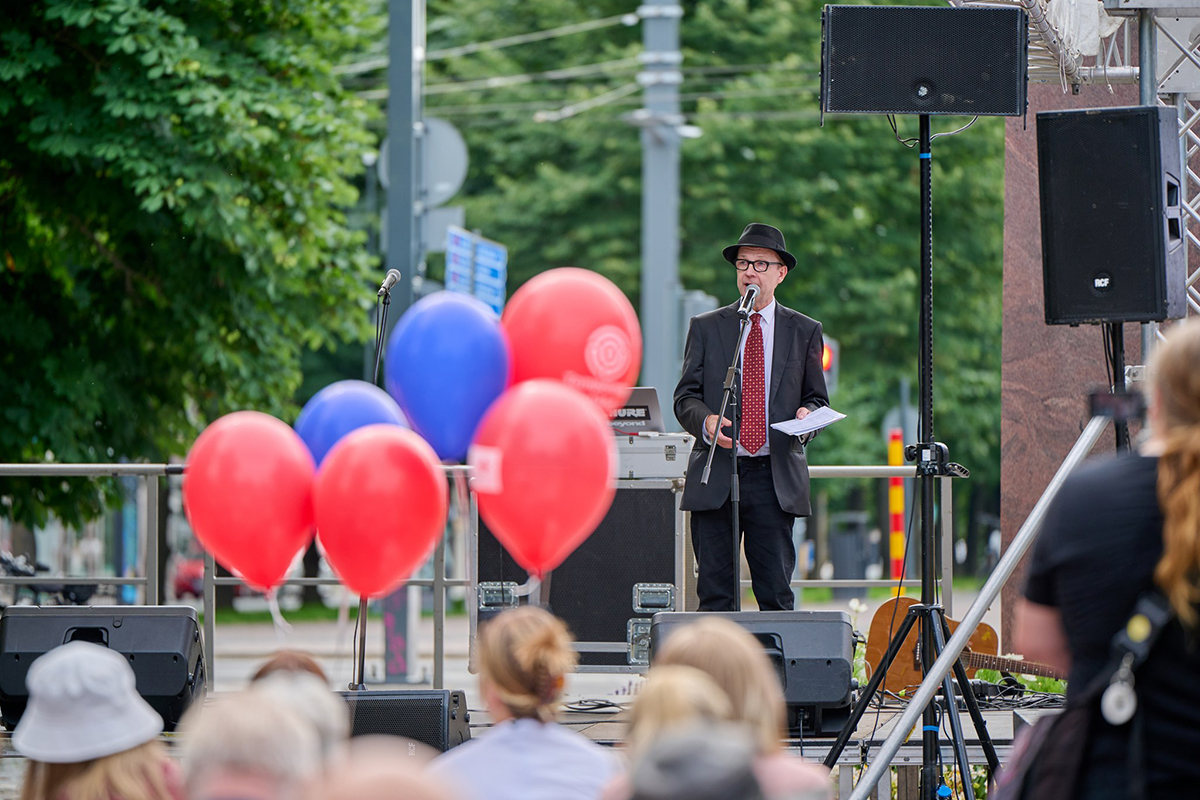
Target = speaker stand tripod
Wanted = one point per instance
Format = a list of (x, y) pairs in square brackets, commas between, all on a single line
[(933, 463)]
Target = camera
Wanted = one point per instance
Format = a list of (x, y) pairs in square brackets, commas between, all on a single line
[(1121, 406)]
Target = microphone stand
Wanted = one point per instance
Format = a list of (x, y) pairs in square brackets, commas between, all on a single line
[(358, 683), (733, 375)]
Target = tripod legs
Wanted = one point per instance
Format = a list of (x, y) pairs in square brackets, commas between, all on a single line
[(956, 734), (873, 685), (960, 674), (933, 622)]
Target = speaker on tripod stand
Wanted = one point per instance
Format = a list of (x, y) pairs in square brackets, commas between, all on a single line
[(924, 61)]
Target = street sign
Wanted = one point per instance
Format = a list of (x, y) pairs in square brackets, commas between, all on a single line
[(460, 256), (478, 266), (491, 273), (444, 162)]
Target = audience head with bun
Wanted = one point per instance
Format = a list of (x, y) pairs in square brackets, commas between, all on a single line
[(524, 655), (1174, 410), (735, 660)]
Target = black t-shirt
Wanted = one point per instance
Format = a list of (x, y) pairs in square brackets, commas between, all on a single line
[(1100, 542)]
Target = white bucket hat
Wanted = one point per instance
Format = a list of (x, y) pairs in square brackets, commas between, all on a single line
[(83, 704)]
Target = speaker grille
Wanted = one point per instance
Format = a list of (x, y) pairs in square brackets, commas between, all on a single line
[(437, 718), (1108, 253), (162, 644), (592, 591), (923, 60)]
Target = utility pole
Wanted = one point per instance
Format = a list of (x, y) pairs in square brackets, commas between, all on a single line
[(405, 111), (660, 122)]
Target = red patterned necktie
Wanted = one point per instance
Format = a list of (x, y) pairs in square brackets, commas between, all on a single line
[(754, 403)]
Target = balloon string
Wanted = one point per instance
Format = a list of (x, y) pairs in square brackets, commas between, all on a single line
[(529, 587), (282, 628)]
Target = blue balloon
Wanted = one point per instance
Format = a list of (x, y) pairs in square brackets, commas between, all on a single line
[(343, 407), (447, 361)]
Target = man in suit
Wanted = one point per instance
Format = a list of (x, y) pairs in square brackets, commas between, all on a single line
[(781, 378)]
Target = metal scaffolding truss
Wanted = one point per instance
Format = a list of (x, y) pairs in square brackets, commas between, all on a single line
[(1050, 59), (1177, 85), (1173, 38)]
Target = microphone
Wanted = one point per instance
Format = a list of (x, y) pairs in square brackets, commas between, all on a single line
[(747, 304), (393, 277)]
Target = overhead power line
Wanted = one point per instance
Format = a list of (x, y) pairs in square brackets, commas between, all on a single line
[(622, 99), (586, 105), (372, 64), (535, 36), (617, 66)]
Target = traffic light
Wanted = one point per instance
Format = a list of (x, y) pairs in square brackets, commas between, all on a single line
[(829, 363)]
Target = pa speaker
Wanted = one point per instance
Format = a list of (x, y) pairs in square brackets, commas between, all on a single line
[(615, 580), (162, 644), (436, 717), (1112, 224), (923, 60), (813, 655)]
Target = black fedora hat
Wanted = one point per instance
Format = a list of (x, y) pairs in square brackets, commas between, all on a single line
[(759, 235)]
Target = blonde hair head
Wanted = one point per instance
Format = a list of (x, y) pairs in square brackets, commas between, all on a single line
[(736, 661), (1175, 398), (524, 654), (136, 774), (672, 698)]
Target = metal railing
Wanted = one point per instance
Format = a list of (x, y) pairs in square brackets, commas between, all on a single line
[(149, 475)]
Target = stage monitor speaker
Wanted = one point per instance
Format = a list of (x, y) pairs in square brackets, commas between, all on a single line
[(813, 655), (436, 717), (614, 577), (162, 644), (923, 60), (1112, 220)]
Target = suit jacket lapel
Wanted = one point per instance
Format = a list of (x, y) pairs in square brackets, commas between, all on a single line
[(785, 329), (729, 335)]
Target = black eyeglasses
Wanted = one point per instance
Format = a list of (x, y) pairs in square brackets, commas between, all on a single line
[(759, 266)]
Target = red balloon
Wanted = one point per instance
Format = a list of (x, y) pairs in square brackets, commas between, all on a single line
[(381, 501), (575, 326), (247, 492), (543, 461)]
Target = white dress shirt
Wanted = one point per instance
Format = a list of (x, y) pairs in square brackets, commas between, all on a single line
[(767, 323), (528, 760)]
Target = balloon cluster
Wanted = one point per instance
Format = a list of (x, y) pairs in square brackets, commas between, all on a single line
[(524, 400)]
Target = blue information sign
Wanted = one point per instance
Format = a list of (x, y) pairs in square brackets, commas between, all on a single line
[(477, 266), (491, 273), (460, 246)]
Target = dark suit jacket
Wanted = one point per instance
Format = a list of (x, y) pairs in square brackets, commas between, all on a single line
[(796, 380)]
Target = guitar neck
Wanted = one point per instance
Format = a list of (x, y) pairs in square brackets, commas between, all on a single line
[(1001, 664)]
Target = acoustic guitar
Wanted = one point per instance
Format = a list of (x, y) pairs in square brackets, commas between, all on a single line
[(980, 652)]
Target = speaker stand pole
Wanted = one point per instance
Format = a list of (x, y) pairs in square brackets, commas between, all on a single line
[(933, 464), (1116, 333), (358, 680)]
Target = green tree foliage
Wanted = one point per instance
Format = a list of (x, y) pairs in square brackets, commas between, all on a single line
[(173, 179), (845, 194)]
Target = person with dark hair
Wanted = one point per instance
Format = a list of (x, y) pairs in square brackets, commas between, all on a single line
[(290, 661), (1118, 528), (524, 656), (782, 379)]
